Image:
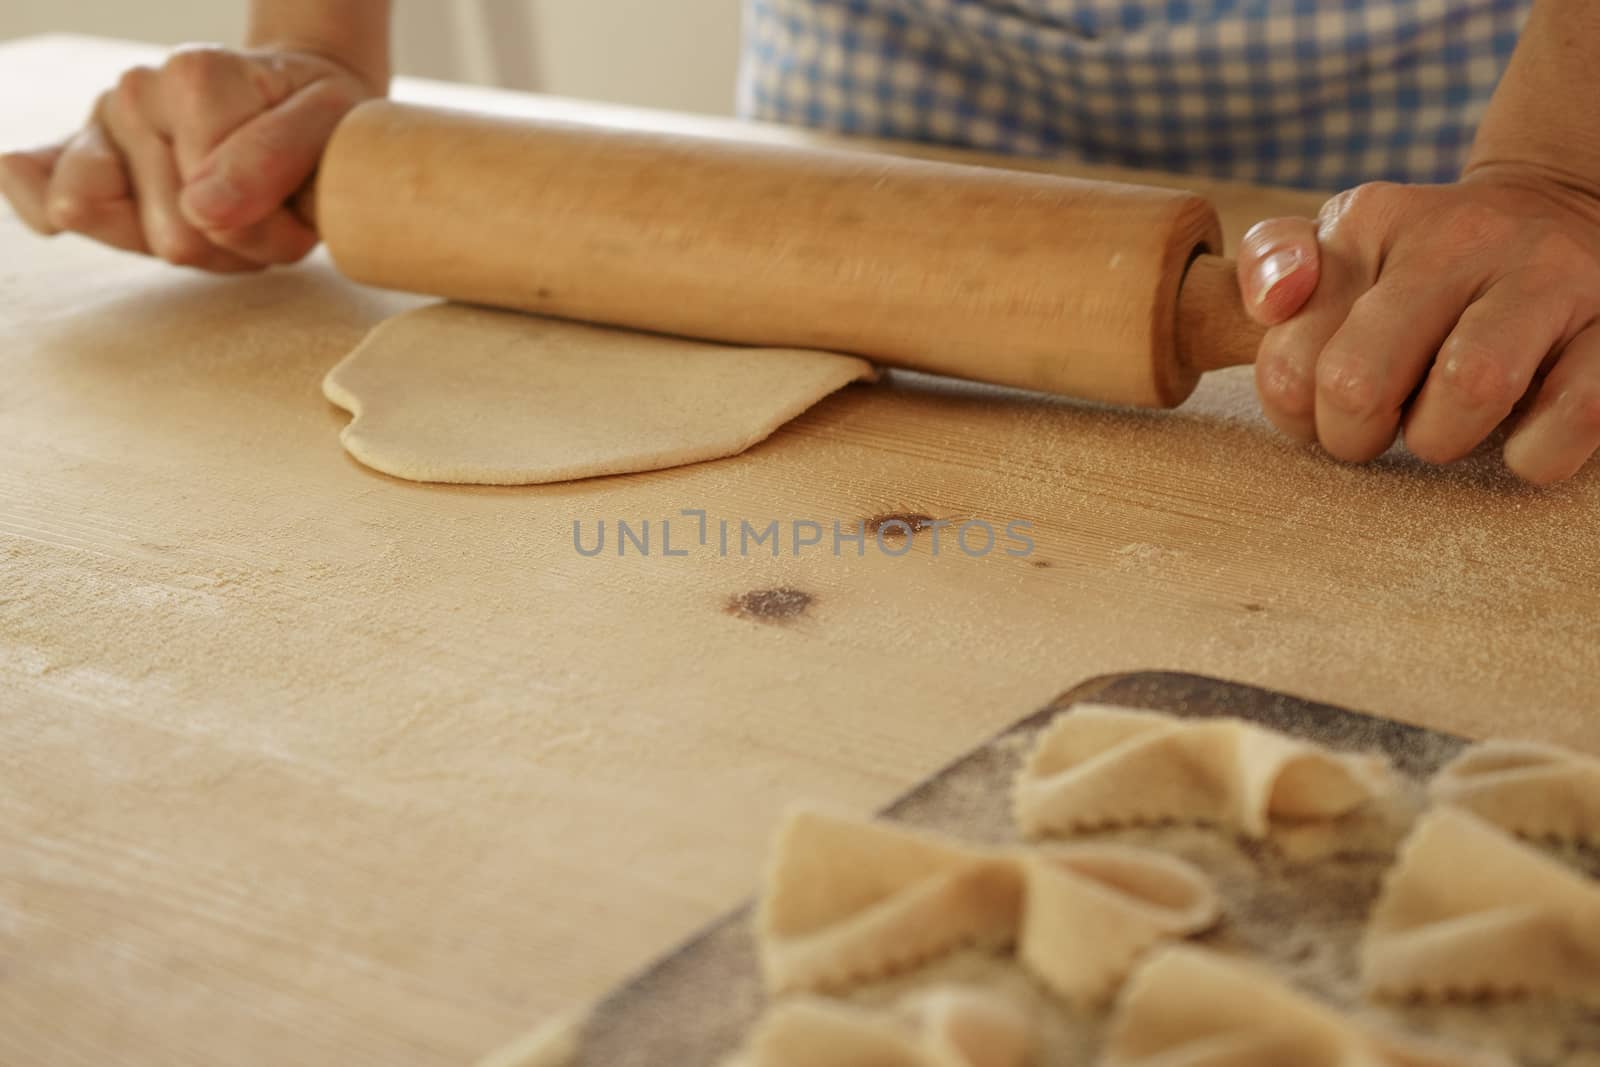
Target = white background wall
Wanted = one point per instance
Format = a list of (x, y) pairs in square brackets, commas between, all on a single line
[(679, 54)]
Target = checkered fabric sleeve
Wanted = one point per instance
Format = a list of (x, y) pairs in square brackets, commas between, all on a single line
[(1320, 94)]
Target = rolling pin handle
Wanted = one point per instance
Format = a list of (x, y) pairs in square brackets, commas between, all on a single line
[(1214, 329)]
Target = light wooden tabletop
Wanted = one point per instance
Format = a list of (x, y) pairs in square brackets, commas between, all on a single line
[(301, 764)]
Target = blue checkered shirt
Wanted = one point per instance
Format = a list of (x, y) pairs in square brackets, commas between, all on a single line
[(1321, 95)]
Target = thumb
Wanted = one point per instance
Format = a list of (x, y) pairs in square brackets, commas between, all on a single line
[(1279, 266), (252, 173)]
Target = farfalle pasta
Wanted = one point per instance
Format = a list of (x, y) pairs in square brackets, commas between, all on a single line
[(953, 1027), (1097, 767), (1188, 1007), (1090, 912), (851, 901), (1468, 910), (1530, 789)]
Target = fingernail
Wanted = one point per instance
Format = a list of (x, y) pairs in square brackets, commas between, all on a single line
[(211, 198), (1274, 269)]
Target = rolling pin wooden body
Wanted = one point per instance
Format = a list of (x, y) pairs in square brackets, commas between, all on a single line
[(1002, 276)]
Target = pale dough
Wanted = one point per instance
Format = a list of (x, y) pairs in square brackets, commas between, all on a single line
[(450, 393), (1190, 1007), (849, 901), (1469, 910), (1098, 767), (952, 1027), (1530, 789), (1090, 912)]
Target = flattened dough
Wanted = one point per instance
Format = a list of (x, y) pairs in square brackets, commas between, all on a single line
[(450, 393)]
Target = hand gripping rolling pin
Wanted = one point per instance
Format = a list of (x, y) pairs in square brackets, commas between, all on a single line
[(1097, 290)]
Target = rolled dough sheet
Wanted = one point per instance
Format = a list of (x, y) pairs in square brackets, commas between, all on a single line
[(451, 393)]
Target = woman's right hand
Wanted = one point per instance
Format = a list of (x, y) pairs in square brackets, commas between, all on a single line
[(195, 161)]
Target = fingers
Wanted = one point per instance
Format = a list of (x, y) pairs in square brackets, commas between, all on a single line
[(1350, 237), (239, 193), (1286, 365), (25, 183), (195, 162), (1483, 368), (238, 137), (1279, 265), (90, 193), (261, 164), (1562, 429), (209, 96), (207, 93), (1371, 365), (282, 237), (132, 115)]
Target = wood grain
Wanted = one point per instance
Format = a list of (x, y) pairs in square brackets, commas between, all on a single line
[(1030, 280), (302, 764)]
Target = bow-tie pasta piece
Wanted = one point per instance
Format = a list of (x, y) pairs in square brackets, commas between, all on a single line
[(944, 1028), (1189, 1007), (1090, 912), (1096, 767), (1530, 789), (848, 902), (1469, 910)]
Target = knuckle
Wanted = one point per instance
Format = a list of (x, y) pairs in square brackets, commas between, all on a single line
[(1349, 386), (1363, 205), (197, 70), (1479, 376), (1282, 384), (133, 87)]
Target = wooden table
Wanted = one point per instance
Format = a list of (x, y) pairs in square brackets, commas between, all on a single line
[(301, 764)]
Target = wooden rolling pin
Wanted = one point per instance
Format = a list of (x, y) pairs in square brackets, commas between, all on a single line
[(1103, 291)]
